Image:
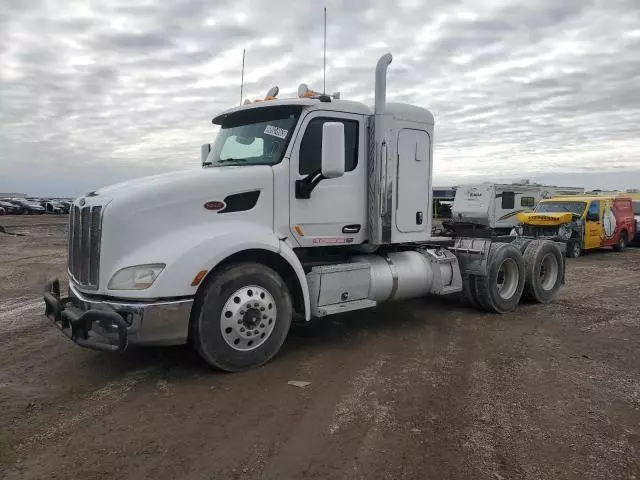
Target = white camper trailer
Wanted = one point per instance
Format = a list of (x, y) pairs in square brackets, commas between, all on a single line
[(492, 208)]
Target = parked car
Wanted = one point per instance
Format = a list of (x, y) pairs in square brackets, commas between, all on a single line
[(65, 206), (9, 208), (28, 208), (52, 207)]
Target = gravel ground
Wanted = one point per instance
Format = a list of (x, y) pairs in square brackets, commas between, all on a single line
[(428, 389)]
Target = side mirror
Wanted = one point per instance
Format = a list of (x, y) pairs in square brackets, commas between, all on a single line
[(333, 150), (204, 152)]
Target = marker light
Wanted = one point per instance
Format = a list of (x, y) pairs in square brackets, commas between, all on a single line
[(272, 93), (304, 91), (198, 278)]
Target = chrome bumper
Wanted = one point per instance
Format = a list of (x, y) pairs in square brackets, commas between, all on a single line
[(110, 325)]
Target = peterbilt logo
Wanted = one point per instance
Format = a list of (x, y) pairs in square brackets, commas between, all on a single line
[(82, 202)]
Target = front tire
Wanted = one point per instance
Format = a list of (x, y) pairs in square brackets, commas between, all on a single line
[(244, 317), (622, 242), (574, 249)]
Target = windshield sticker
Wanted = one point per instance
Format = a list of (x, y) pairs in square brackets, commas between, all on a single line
[(276, 131)]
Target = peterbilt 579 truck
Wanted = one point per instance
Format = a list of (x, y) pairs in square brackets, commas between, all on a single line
[(303, 208)]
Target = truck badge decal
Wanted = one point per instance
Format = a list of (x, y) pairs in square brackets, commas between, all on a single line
[(214, 205), (276, 131)]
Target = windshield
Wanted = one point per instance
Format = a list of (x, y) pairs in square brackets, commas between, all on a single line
[(254, 137), (636, 207), (561, 206)]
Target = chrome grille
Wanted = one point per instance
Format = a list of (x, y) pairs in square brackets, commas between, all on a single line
[(85, 230)]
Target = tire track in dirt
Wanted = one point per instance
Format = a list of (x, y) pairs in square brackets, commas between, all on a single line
[(93, 405), (18, 312)]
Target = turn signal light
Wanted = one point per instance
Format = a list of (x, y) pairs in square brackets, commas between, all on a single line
[(198, 278)]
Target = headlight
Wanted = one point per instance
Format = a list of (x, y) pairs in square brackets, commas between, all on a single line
[(564, 232), (135, 278)]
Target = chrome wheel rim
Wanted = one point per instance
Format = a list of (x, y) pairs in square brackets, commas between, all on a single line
[(248, 318), (576, 250), (507, 278), (548, 271)]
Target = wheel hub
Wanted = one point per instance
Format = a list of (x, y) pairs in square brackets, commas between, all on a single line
[(507, 278), (251, 318), (248, 318)]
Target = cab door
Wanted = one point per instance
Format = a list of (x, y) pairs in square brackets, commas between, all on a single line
[(594, 233), (334, 212)]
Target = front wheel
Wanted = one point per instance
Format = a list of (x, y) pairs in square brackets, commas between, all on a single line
[(622, 242), (244, 317), (574, 250)]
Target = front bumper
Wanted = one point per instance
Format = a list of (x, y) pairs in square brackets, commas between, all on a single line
[(111, 325)]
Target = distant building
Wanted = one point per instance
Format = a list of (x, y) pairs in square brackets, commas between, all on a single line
[(12, 195)]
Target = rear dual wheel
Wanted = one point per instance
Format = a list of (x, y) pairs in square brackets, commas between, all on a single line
[(544, 270), (538, 274), (500, 291)]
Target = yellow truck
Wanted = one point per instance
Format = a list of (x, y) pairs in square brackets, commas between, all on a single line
[(582, 222)]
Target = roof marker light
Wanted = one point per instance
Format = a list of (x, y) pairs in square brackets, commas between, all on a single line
[(272, 93)]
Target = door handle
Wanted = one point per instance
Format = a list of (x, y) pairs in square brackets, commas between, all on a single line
[(351, 229)]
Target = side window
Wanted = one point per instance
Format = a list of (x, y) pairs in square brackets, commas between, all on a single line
[(311, 145), (594, 209), (508, 200), (527, 202)]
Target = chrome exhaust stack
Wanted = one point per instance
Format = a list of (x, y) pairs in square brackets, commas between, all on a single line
[(381, 83)]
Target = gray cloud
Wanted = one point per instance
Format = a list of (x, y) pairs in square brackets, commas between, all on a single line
[(95, 92)]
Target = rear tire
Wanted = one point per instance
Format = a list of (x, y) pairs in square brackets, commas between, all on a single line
[(622, 243), (544, 270), (500, 291), (244, 317)]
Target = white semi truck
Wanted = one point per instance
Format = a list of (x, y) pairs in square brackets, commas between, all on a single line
[(304, 208)]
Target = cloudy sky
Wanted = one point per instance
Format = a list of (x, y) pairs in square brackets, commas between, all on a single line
[(93, 92)]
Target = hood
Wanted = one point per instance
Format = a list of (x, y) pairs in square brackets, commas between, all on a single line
[(182, 187), (140, 213), (544, 219)]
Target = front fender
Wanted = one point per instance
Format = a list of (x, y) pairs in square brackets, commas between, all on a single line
[(187, 252)]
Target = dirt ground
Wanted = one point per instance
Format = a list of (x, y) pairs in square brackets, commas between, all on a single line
[(428, 389)]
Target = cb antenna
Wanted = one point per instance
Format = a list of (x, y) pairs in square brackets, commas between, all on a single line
[(242, 77), (324, 66)]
